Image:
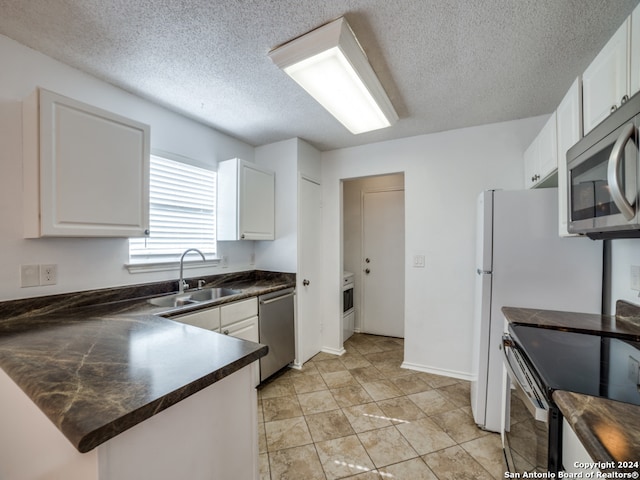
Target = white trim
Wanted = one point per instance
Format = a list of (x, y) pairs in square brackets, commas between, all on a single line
[(156, 266), (437, 371), (333, 351)]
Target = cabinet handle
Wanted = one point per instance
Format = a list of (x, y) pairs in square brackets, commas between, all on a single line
[(147, 232), (624, 100), (242, 236), (367, 271), (613, 108), (226, 332), (306, 282)]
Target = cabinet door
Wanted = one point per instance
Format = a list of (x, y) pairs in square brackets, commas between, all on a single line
[(257, 203), (605, 81), (569, 127), (209, 318), (547, 148), (236, 311), (531, 164), (93, 169), (245, 329)]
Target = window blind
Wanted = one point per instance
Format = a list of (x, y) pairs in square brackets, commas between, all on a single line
[(181, 211)]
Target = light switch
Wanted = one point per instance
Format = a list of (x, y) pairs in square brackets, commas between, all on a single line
[(29, 275)]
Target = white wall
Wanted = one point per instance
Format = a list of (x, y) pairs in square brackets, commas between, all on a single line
[(443, 175), (281, 254), (624, 254), (289, 159), (85, 264)]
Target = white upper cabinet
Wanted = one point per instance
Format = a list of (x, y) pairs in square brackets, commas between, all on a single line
[(605, 83), (541, 158), (635, 52), (569, 127), (85, 170), (246, 201)]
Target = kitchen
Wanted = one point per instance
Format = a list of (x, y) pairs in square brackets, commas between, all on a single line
[(442, 292)]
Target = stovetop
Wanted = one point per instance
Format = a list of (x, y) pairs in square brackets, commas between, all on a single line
[(594, 365)]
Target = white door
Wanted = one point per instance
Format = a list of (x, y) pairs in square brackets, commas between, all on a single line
[(309, 320), (383, 263)]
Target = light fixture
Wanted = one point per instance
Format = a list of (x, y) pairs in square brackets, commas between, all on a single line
[(331, 66)]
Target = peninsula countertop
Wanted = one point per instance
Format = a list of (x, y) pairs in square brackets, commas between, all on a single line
[(96, 370)]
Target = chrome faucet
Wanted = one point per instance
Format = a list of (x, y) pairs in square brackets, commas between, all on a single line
[(181, 283)]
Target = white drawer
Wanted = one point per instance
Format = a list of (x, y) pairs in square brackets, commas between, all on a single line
[(209, 318), (236, 311)]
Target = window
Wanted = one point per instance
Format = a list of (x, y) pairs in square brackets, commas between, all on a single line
[(182, 206)]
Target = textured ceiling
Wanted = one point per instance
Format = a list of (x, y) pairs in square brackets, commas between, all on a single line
[(445, 64)]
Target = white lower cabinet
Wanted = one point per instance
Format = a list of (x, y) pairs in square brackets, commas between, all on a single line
[(574, 455), (240, 320), (209, 318), (236, 319), (244, 329)]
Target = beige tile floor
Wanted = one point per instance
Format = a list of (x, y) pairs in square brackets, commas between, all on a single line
[(362, 416)]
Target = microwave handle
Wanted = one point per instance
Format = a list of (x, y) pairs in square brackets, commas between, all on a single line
[(613, 172)]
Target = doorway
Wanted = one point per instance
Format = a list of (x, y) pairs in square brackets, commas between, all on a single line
[(373, 249)]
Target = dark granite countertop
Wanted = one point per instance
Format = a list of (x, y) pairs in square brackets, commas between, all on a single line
[(97, 363), (625, 324), (609, 430)]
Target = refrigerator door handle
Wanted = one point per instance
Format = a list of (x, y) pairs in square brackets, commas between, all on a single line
[(483, 272)]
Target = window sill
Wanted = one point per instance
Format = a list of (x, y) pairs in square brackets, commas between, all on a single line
[(165, 266)]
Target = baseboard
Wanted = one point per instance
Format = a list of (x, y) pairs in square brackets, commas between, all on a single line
[(437, 371), (333, 351)]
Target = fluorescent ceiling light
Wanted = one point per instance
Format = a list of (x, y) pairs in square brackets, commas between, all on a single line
[(330, 65)]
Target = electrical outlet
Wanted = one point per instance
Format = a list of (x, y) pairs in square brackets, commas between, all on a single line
[(48, 274), (29, 275), (224, 261), (252, 259)]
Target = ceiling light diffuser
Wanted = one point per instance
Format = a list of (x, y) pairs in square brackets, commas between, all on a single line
[(331, 66)]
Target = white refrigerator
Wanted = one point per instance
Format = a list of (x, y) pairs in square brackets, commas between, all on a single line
[(521, 261)]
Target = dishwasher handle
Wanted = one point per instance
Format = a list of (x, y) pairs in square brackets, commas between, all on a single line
[(275, 299)]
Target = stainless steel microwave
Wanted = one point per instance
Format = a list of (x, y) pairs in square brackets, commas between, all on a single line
[(603, 177)]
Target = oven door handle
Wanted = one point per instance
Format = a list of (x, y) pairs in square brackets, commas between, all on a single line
[(536, 402), (614, 176)]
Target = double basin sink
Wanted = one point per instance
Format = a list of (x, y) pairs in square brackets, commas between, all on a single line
[(190, 298)]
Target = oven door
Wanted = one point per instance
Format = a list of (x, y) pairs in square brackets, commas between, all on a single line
[(526, 435), (603, 184)]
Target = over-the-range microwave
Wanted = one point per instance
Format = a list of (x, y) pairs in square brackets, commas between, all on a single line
[(603, 177)]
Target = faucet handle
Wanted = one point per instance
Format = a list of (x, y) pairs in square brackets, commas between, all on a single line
[(185, 285), (201, 284)]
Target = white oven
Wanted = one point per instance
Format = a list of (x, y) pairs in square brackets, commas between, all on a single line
[(348, 310)]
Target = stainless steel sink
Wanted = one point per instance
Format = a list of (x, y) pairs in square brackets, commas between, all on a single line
[(190, 298)]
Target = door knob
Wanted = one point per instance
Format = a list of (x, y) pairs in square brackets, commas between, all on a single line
[(306, 282), (367, 271)]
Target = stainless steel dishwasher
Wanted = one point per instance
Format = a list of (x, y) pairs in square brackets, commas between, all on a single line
[(276, 326)]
